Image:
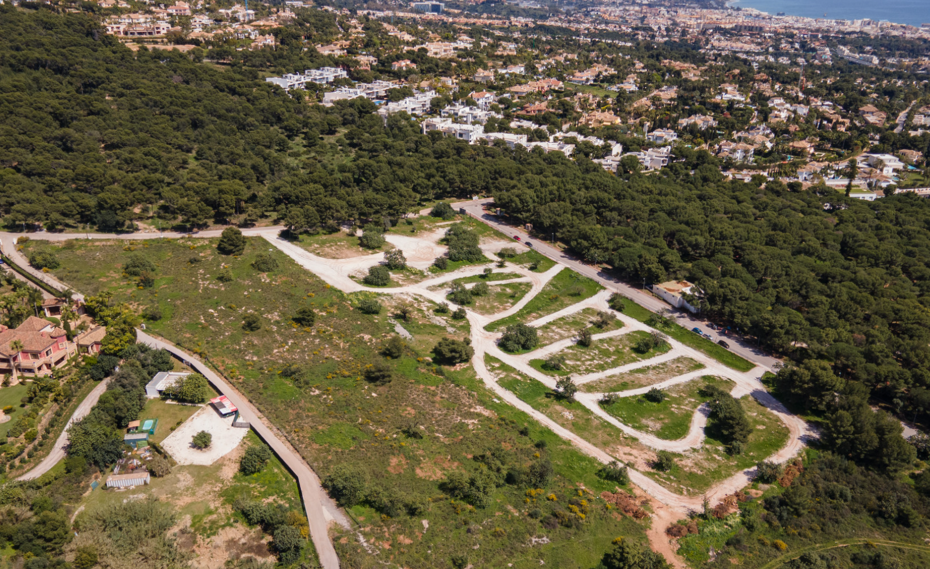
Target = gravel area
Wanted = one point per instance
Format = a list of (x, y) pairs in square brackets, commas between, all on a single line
[(225, 438)]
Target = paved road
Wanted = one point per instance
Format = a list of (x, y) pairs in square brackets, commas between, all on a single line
[(58, 451), (320, 509), (475, 208)]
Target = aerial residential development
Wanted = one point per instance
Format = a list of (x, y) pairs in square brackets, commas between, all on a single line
[(596, 285)]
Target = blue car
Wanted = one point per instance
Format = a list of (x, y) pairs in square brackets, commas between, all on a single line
[(697, 331)]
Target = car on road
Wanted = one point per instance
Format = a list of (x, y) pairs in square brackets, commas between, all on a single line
[(529, 244), (517, 237), (724, 344), (697, 331), (711, 325)]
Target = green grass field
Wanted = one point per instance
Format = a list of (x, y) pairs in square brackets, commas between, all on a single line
[(670, 419), (689, 338), (10, 396), (565, 289)]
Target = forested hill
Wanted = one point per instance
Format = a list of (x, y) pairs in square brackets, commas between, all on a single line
[(90, 130), (810, 273)]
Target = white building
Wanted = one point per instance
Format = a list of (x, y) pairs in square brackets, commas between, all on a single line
[(322, 75), (468, 132), (465, 114), (662, 136), (162, 381), (509, 138), (672, 292), (416, 105)]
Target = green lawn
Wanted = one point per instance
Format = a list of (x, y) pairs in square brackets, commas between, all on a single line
[(170, 416), (528, 257), (670, 419), (602, 355), (10, 396), (641, 376), (569, 326), (689, 338), (565, 289)]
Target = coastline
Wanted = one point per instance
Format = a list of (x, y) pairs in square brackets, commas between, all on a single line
[(786, 12)]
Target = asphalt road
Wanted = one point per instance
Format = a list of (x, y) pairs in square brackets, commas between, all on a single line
[(58, 451), (475, 208)]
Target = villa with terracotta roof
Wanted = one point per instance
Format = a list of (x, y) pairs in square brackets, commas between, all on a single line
[(35, 347)]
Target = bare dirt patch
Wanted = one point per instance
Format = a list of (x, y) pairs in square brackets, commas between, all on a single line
[(398, 465), (225, 438)]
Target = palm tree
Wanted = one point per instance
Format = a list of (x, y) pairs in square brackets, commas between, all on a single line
[(34, 296), (16, 346)]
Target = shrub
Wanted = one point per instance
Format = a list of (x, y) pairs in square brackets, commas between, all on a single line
[(481, 289), (251, 323), (158, 466), (460, 295), (507, 253), (653, 341), (346, 485), (147, 279), (395, 259), (614, 472), (459, 314), (152, 313), (379, 372), (604, 319), (394, 347), (566, 388), (225, 275), (442, 210), (441, 263), (518, 337), (85, 558), (202, 440), (442, 308), (371, 239), (369, 306), (617, 302), (232, 242), (254, 459), (265, 263), (452, 352), (780, 545), (768, 472), (288, 542), (554, 362), (8, 410), (585, 338), (191, 389), (44, 260), (664, 461), (379, 275), (305, 317), (136, 265), (655, 395)]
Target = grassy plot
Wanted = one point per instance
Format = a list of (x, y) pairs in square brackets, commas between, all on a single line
[(642, 376), (10, 397), (603, 354), (529, 257), (565, 289), (572, 415), (689, 338), (670, 419), (483, 278), (169, 415), (403, 435), (569, 326), (697, 470), (338, 245)]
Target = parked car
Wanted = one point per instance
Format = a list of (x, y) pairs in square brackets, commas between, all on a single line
[(711, 325), (697, 331), (529, 244), (708, 336), (724, 344), (517, 237)]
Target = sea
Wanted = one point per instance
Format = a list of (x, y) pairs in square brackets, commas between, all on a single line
[(913, 12)]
